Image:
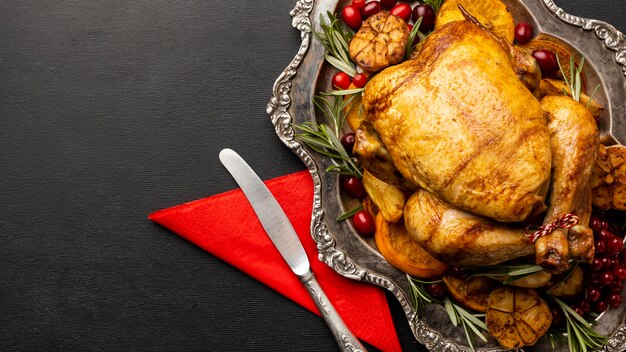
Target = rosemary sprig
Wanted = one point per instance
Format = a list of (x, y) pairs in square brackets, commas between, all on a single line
[(472, 323), (580, 336), (321, 139), (349, 213), (334, 108), (435, 4), (512, 272), (409, 42), (574, 82), (419, 296), (564, 277), (335, 39)]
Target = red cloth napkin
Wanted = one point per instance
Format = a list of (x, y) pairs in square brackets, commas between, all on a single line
[(225, 225)]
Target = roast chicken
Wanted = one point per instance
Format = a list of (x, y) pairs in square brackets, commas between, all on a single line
[(460, 124)]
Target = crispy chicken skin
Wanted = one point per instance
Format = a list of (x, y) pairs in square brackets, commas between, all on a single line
[(457, 237), (574, 142), (458, 122)]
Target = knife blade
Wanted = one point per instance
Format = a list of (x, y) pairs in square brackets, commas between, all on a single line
[(284, 237)]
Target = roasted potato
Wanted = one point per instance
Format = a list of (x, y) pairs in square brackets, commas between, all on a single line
[(380, 42), (571, 286), (517, 317), (388, 198), (608, 180), (535, 280)]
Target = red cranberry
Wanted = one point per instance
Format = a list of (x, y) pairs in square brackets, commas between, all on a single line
[(402, 10), (594, 279), (600, 247), (606, 277), (348, 141), (353, 186), (352, 17), (614, 300), (593, 294), (595, 223), (616, 286), (604, 234), (437, 290), (558, 319), (620, 272), (428, 17), (523, 32), (388, 3), (597, 264), (359, 80), (547, 62), (584, 306), (614, 244), (341, 80), (364, 222), (359, 4), (606, 263), (600, 307), (371, 8)]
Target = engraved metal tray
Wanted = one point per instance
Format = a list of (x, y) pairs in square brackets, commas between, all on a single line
[(338, 244)]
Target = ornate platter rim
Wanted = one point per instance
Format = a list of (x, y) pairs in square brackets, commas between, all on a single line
[(282, 114)]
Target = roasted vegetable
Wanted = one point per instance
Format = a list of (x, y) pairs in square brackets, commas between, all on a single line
[(517, 317), (388, 198), (472, 293), (609, 178), (397, 247), (535, 280), (380, 42), (492, 14), (571, 286)]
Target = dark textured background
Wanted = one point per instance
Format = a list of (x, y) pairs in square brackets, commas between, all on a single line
[(110, 110)]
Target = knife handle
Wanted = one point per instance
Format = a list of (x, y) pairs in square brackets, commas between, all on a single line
[(344, 337)]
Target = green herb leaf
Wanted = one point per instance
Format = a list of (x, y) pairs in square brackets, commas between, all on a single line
[(335, 39), (411, 39), (349, 214), (435, 4)]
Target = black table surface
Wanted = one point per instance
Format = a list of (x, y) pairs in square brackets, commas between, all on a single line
[(110, 110)]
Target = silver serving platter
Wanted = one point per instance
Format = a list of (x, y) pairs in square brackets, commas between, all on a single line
[(338, 244)]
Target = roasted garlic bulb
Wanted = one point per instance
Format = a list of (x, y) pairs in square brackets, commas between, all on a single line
[(517, 317), (609, 178), (380, 42)]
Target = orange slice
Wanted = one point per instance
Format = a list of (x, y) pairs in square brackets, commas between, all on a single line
[(398, 248), (472, 293), (492, 14)]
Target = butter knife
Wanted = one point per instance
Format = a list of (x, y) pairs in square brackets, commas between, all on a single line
[(284, 237)]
